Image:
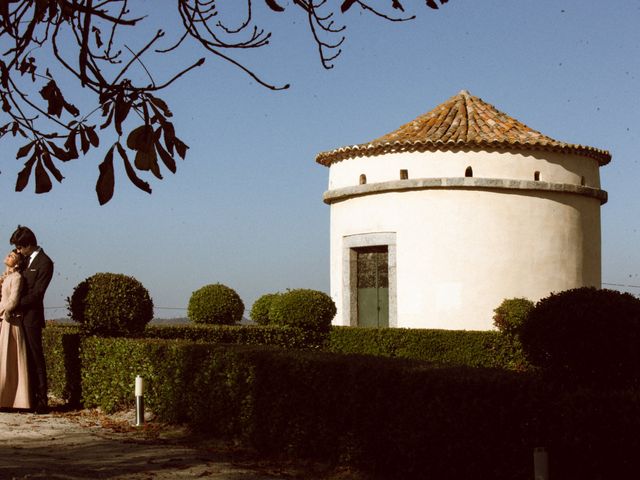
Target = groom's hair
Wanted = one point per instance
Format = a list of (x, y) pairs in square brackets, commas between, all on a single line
[(23, 237)]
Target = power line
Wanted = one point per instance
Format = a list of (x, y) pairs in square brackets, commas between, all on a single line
[(621, 285), (156, 308)]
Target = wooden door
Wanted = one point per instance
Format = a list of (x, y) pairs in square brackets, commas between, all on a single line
[(373, 286)]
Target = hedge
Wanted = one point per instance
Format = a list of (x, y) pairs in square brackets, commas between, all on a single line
[(286, 337), (365, 411), (392, 417), (454, 347), (61, 344)]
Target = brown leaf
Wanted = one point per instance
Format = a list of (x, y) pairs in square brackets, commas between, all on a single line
[(70, 108), (58, 152), (84, 139), (122, 110), (154, 167), (122, 152), (93, 136), (142, 185), (23, 177), (51, 93), (141, 138), (96, 32), (70, 144), (24, 150), (274, 6), (48, 163), (148, 161), (346, 5), (161, 104), (434, 5), (109, 116), (43, 182), (169, 134), (143, 160), (106, 179), (181, 148), (6, 106), (167, 159)]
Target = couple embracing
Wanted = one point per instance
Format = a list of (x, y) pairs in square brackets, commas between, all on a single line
[(23, 374)]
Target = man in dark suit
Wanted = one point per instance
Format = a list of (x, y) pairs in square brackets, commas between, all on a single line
[(36, 276)]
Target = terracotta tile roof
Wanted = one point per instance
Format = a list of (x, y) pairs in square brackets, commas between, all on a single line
[(463, 121)]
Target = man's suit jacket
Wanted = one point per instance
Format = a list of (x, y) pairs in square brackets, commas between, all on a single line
[(36, 280)]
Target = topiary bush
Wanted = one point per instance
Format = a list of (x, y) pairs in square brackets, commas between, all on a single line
[(215, 304), (260, 309), (111, 305), (586, 334), (511, 314), (302, 308)]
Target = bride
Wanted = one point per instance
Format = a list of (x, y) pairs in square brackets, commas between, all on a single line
[(14, 379)]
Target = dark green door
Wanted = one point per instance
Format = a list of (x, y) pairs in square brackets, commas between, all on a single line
[(373, 286)]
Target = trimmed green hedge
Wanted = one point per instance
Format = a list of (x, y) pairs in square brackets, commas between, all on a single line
[(111, 305), (453, 347), (215, 304), (395, 418), (366, 411), (476, 349), (61, 344), (286, 337)]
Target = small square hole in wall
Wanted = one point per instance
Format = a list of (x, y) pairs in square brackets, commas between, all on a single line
[(363, 179), (536, 176), (404, 174), (468, 172), (582, 181)]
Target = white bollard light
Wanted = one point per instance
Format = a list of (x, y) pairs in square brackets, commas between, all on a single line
[(540, 464), (139, 401)]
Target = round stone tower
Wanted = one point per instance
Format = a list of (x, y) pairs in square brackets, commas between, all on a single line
[(434, 224)]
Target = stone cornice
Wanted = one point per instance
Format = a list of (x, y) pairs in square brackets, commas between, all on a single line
[(466, 183), (603, 157)]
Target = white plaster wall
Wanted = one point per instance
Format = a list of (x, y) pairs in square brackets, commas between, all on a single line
[(553, 167), (460, 252)]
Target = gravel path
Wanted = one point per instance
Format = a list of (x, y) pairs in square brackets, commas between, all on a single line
[(88, 445)]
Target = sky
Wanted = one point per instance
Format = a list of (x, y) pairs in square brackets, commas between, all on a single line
[(245, 207)]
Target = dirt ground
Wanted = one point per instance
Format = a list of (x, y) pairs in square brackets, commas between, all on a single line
[(87, 444)]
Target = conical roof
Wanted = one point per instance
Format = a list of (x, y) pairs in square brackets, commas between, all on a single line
[(463, 121)]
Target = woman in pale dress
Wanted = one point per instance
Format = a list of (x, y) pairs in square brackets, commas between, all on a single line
[(14, 380)]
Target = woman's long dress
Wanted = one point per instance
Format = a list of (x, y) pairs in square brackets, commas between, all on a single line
[(14, 377)]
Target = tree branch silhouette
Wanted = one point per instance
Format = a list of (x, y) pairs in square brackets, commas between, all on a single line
[(44, 42)]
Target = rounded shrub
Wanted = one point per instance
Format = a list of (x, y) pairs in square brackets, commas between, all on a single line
[(111, 305), (511, 314), (215, 304), (586, 334), (302, 308), (260, 309)]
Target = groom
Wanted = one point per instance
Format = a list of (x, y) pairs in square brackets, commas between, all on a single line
[(36, 276)]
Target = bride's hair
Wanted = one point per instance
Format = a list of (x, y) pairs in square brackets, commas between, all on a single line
[(22, 261)]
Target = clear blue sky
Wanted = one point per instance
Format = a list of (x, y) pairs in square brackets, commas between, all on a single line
[(245, 208)]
